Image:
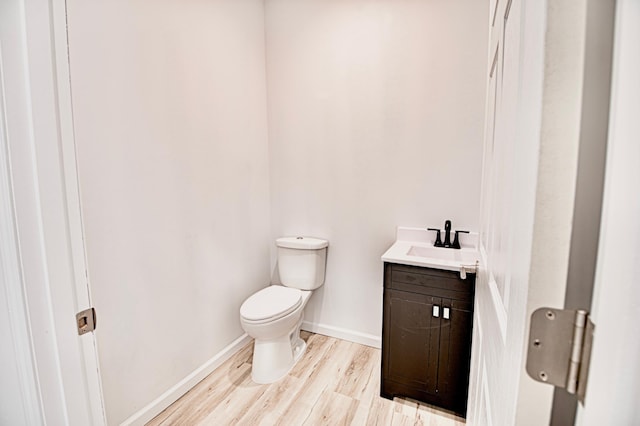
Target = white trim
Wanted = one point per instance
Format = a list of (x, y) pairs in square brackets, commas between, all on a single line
[(12, 282), (497, 301), (613, 387), (156, 406), (486, 398), (88, 343), (31, 125), (477, 360), (343, 333)]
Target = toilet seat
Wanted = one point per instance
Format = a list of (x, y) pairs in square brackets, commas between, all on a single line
[(271, 303)]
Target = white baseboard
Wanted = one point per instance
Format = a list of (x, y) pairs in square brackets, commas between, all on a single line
[(156, 406), (343, 333)]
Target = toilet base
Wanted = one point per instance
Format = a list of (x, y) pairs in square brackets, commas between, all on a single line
[(273, 359)]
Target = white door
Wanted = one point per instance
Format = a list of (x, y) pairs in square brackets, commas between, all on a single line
[(49, 373), (532, 135), (613, 389), (512, 129)]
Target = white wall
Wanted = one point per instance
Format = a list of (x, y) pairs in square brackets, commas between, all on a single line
[(375, 120), (169, 103)]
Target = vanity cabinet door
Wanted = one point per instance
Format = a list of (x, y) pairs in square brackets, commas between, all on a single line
[(412, 339), (454, 353)]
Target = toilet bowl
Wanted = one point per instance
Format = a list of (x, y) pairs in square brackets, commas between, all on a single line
[(273, 315)]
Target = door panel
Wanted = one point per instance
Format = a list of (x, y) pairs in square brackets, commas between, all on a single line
[(515, 74)]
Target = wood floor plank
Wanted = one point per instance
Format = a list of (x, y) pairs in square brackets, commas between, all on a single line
[(332, 409), (356, 377), (380, 412), (200, 404), (317, 346), (336, 382), (399, 419), (232, 408), (325, 373), (406, 407), (273, 403), (371, 390), (430, 416), (198, 401)]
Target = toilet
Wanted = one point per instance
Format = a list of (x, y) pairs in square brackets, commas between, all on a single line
[(273, 315)]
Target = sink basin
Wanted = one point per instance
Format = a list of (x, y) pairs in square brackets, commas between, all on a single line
[(461, 256), (414, 246)]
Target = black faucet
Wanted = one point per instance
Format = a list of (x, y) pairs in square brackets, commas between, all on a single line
[(447, 234), (447, 237)]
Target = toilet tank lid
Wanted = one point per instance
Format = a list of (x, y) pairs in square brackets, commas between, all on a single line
[(302, 243)]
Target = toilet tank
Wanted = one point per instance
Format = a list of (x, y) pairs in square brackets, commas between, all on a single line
[(302, 261)]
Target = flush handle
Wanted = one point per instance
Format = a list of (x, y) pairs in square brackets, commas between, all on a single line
[(436, 311), (446, 313)]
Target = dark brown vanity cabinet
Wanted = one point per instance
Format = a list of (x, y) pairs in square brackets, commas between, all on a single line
[(426, 335)]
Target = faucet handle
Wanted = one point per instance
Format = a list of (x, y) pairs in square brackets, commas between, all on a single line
[(438, 242), (456, 242)]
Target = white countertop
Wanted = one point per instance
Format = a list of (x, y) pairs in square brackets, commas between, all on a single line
[(414, 246)]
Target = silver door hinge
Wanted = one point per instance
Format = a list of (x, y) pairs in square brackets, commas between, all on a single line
[(559, 348), (86, 321)]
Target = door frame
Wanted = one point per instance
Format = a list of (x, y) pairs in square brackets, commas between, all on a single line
[(82, 289), (590, 176), (614, 378)]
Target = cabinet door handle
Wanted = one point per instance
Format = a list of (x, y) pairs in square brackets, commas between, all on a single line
[(436, 311), (445, 313)]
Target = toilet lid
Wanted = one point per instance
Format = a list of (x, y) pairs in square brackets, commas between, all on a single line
[(271, 303)]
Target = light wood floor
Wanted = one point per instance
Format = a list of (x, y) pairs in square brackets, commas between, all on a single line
[(335, 383)]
